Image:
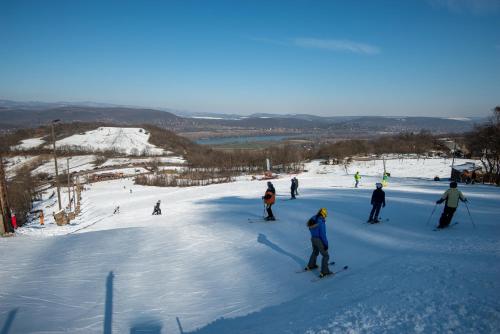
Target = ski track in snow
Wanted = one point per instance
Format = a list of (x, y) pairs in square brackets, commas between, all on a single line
[(201, 268)]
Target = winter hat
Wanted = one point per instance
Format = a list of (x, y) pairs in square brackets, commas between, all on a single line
[(323, 212), (378, 185), (453, 184), (269, 183)]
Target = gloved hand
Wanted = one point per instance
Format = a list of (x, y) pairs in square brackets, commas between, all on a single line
[(439, 201)]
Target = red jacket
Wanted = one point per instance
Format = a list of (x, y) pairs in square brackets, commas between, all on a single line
[(13, 220)]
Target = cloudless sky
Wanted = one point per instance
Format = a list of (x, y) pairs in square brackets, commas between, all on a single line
[(411, 57)]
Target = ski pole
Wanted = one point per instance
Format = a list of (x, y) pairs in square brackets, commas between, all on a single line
[(433, 210), (470, 216)]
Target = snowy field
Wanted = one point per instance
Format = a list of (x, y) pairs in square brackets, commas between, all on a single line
[(125, 140), (202, 268), (77, 163), (13, 164), (27, 144), (125, 161)]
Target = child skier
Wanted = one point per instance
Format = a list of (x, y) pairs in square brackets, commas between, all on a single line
[(319, 242), (157, 210), (451, 196), (357, 178), (269, 199), (296, 186), (378, 201)]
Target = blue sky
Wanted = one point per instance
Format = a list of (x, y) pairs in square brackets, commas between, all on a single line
[(408, 57)]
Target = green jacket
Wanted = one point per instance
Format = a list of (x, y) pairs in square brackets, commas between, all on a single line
[(451, 196), (357, 177)]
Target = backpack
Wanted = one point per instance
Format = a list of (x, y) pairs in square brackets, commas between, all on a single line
[(311, 223)]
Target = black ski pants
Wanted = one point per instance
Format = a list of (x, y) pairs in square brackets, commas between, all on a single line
[(375, 211), (269, 211), (446, 216)]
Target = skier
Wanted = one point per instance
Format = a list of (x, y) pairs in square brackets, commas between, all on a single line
[(269, 199), (293, 188), (157, 210), (357, 178), (296, 186), (117, 210), (385, 179), (13, 221), (319, 242), (378, 200), (451, 196), (42, 218)]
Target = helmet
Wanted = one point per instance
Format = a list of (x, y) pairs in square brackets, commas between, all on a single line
[(378, 185), (453, 184), (323, 212)]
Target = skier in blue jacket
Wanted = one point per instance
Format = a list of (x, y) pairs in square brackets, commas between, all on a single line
[(319, 242)]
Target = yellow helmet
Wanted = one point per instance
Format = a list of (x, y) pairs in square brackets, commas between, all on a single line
[(323, 212)]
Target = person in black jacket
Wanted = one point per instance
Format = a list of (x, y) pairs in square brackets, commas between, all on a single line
[(378, 201), (293, 188), (269, 199), (156, 209)]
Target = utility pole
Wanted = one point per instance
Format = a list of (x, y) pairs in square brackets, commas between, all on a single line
[(55, 164), (69, 185), (453, 158), (4, 204)]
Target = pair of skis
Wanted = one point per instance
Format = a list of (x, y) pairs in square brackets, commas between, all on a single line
[(447, 227), (319, 278), (260, 220), (381, 220)]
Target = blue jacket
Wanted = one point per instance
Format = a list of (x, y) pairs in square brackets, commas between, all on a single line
[(318, 230)]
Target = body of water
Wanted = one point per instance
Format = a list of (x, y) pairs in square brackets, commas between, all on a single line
[(239, 140)]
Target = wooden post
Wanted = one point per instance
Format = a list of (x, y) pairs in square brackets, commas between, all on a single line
[(4, 203), (69, 185), (55, 165)]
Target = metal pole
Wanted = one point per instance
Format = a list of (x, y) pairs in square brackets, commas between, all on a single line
[(69, 186), (428, 220), (474, 225), (55, 165)]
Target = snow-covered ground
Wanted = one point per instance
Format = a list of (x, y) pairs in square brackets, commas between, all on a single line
[(77, 163), (202, 268), (125, 140), (125, 161), (12, 164), (27, 144)]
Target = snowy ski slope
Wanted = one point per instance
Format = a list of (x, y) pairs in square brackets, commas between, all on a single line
[(202, 268), (125, 140)]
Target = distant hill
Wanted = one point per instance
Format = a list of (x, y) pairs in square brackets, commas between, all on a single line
[(32, 114)]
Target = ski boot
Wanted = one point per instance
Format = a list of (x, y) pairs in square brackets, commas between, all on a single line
[(307, 268), (322, 275)]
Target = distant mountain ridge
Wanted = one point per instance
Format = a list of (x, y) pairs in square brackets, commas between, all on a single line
[(31, 114)]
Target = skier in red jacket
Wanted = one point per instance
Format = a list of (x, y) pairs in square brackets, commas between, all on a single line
[(13, 220)]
